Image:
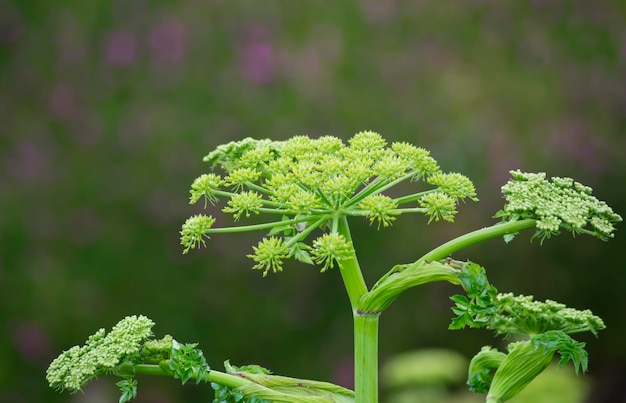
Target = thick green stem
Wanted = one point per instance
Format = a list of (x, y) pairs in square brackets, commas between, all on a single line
[(366, 357), (350, 270), (474, 237), (365, 327), (222, 378)]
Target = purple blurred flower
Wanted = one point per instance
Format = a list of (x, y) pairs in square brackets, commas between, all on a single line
[(504, 155), (378, 12), (62, 102), (27, 161), (31, 342), (574, 141), (344, 373), (257, 57), (83, 226), (120, 48), (167, 42)]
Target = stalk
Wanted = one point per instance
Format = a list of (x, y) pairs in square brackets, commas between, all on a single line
[(474, 237), (350, 270), (365, 327), (366, 357), (222, 378)]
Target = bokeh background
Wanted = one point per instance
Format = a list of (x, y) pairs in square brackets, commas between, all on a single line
[(107, 108)]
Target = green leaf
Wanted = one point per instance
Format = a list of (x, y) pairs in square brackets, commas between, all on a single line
[(128, 387), (509, 237), (300, 253), (188, 362)]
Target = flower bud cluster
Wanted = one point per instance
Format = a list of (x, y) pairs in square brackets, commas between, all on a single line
[(101, 353), (522, 315), (555, 204)]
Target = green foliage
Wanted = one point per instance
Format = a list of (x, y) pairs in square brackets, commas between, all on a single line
[(546, 324), (521, 365), (478, 308), (187, 362), (128, 387), (568, 348), (483, 367), (503, 376)]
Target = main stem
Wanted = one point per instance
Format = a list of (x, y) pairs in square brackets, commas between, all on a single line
[(366, 357), (365, 327)]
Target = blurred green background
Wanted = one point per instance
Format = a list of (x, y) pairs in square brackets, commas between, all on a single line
[(107, 108)]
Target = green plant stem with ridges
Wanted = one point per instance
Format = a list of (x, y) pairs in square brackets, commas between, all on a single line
[(350, 270), (222, 378), (366, 357), (474, 237), (365, 327), (258, 227)]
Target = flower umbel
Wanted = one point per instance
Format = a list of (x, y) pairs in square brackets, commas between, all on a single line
[(455, 185), (380, 208), (555, 204), (317, 182), (195, 230), (330, 248), (439, 206), (269, 255), (522, 315), (101, 353), (244, 203), (205, 186)]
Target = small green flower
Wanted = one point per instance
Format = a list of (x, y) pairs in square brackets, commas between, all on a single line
[(391, 167), (240, 177), (205, 186), (419, 159), (306, 173), (194, 230), (229, 155), (455, 185), (283, 193), (297, 147), (269, 255), (259, 156), (337, 188), (368, 140), (244, 202), (303, 202), (328, 144), (439, 206), (379, 208), (329, 248)]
